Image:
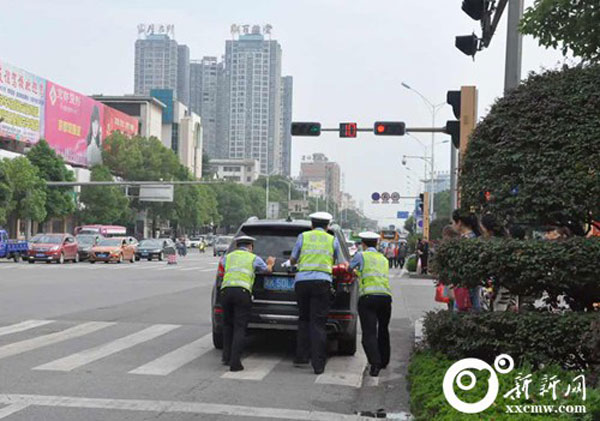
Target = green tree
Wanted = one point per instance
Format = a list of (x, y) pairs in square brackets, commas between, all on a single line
[(207, 170), (51, 167), (534, 158), (409, 224), (572, 25), (232, 203), (441, 204), (104, 204), (5, 192), (28, 199)]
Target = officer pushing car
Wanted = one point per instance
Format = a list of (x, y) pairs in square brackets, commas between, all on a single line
[(314, 253), (375, 302), (240, 267)]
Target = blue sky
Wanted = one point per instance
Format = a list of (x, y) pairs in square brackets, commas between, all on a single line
[(347, 57)]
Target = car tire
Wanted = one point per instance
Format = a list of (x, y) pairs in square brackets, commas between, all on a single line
[(31, 262), (16, 257), (161, 257), (137, 258), (92, 261), (347, 343), (61, 259), (149, 258), (217, 338)]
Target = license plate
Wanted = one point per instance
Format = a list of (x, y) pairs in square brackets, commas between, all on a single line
[(40, 255), (274, 283), (102, 254), (144, 254)]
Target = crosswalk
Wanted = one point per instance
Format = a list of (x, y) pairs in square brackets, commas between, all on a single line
[(340, 371)]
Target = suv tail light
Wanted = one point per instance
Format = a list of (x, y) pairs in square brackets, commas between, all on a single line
[(342, 274), (221, 269)]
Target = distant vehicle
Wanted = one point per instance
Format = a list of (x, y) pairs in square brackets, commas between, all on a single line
[(221, 244), (85, 242), (274, 305), (104, 230), (53, 248), (194, 241), (389, 236), (115, 249), (210, 240), (151, 248), (12, 249)]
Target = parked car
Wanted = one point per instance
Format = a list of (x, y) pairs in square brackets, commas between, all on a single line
[(222, 243), (274, 304), (194, 241), (115, 249), (53, 248), (151, 248), (103, 230), (12, 249), (85, 242)]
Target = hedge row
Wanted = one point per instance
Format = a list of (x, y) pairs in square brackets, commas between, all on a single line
[(525, 267), (571, 340), (426, 373)]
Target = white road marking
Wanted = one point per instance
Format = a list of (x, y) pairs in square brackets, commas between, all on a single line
[(208, 270), (256, 367), (26, 325), (87, 356), (11, 409), (176, 359), (345, 370), (175, 407), (51, 338), (192, 268)]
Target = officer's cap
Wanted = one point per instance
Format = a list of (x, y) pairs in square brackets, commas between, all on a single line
[(321, 216), (368, 235), (244, 239)]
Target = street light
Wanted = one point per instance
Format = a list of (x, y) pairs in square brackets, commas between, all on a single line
[(434, 109)]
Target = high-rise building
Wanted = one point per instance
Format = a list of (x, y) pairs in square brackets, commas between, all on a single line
[(252, 92), (321, 177), (158, 65), (183, 74), (286, 124), (207, 100)]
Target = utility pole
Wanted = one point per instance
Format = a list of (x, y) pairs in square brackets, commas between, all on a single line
[(514, 46)]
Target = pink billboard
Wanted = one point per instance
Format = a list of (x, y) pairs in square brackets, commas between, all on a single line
[(74, 125), (116, 120)]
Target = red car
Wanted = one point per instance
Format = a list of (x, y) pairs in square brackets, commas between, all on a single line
[(53, 248)]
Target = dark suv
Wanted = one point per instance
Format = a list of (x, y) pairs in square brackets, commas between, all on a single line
[(274, 300)]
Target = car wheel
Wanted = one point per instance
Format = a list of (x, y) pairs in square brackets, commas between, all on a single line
[(120, 258), (137, 258), (61, 259), (107, 262), (16, 257), (92, 261), (217, 337), (31, 262), (161, 256), (149, 258)]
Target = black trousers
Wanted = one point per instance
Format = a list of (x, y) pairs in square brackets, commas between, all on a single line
[(314, 300), (375, 312), (236, 303)]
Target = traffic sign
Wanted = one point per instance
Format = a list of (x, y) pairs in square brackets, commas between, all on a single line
[(395, 197), (385, 197), (402, 215), (375, 197)]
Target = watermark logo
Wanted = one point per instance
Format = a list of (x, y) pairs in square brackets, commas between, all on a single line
[(462, 369)]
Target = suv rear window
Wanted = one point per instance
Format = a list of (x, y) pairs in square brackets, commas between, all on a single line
[(276, 242)]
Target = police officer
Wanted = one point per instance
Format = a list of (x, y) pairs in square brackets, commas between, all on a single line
[(375, 302), (236, 297), (315, 253)]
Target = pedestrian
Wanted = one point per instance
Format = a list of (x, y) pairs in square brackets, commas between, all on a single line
[(424, 255), (401, 254), (467, 226), (315, 252), (396, 252), (390, 255), (236, 297), (374, 303), (449, 233)]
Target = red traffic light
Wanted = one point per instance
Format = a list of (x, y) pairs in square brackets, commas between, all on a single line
[(389, 128), (348, 129)]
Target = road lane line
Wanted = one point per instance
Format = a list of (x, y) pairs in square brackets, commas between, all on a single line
[(345, 370), (11, 409), (20, 327), (90, 355), (51, 338), (192, 268), (176, 407), (256, 367), (176, 359)]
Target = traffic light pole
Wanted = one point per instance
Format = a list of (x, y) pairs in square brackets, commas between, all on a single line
[(514, 46)]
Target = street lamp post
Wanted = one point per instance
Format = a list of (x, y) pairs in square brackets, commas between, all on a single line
[(434, 109)]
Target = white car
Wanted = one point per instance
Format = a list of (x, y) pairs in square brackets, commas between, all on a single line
[(194, 242)]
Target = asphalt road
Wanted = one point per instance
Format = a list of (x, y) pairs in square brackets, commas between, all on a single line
[(133, 342)]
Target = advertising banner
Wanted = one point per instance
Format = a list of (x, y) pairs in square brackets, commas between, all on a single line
[(22, 97), (116, 120), (316, 188), (74, 125)]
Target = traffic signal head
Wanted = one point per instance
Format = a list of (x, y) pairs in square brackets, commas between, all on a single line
[(348, 129), (389, 128), (474, 8), (453, 129), (306, 129), (453, 99), (468, 44), (421, 200)]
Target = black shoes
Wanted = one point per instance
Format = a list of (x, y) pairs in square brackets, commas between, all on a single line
[(236, 368), (374, 371), (299, 362), (319, 370)]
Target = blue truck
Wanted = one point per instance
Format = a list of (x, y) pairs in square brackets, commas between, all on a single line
[(12, 249)]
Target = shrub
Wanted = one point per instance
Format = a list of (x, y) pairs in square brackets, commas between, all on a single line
[(426, 373), (525, 267), (411, 264), (571, 340)]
